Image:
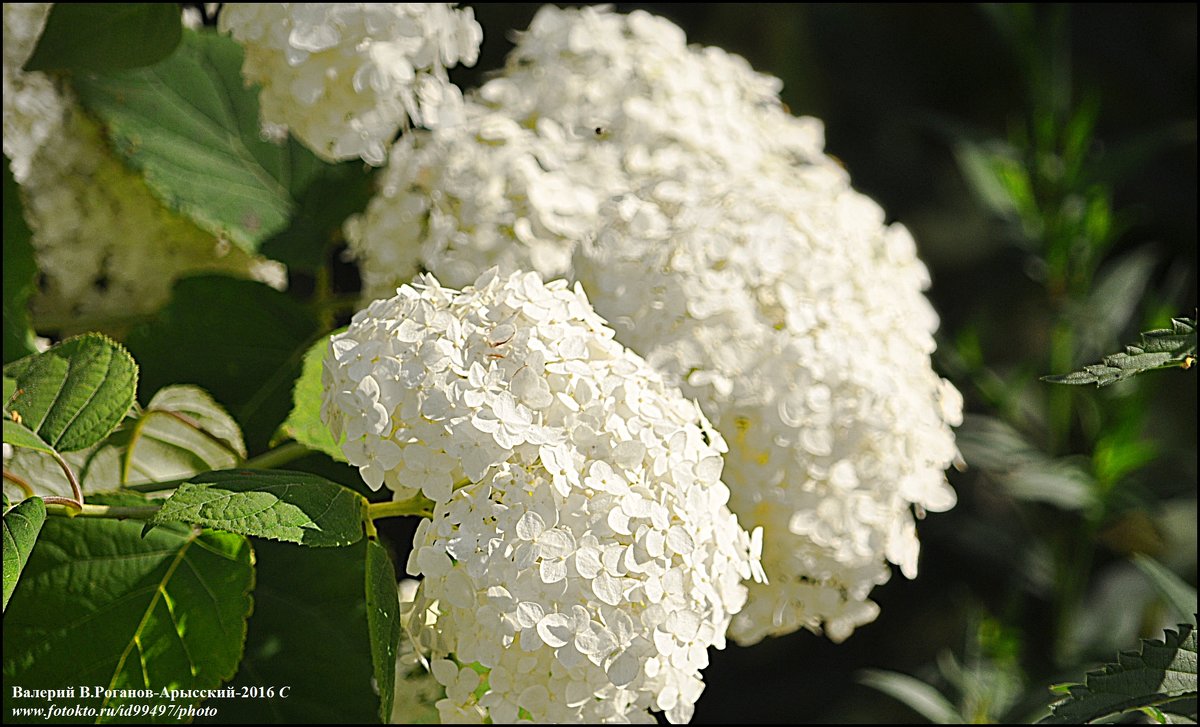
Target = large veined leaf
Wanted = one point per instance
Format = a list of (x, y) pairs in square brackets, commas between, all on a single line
[(304, 423), (193, 129), (1160, 349), (309, 631), (181, 432), (106, 36), (22, 524), (295, 507), (383, 619), (101, 605), (240, 340), (75, 393), (1161, 673), (20, 274)]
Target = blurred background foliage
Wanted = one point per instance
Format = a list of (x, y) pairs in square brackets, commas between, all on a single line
[(1045, 159)]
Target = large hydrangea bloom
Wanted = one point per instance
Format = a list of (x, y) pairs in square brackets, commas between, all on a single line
[(586, 558), (738, 260), (345, 77), (104, 244), (590, 102), (794, 316)]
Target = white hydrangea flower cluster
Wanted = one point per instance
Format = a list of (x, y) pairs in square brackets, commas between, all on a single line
[(33, 107), (344, 77), (739, 261), (795, 317), (590, 103), (104, 244), (586, 558)]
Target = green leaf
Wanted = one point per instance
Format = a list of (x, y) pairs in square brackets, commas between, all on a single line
[(304, 423), (1112, 302), (180, 433), (20, 274), (106, 36), (240, 340), (309, 631), (1159, 349), (21, 527), (996, 176), (193, 128), (75, 393), (383, 620), (101, 605), (1025, 471), (19, 435), (1174, 590), (921, 697), (338, 192), (295, 507), (1163, 671)]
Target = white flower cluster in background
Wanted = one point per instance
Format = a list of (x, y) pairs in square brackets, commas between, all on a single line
[(104, 244), (345, 77), (794, 315), (33, 107), (589, 104), (580, 549), (738, 260)]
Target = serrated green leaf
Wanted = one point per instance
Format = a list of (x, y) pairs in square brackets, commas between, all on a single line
[(294, 507), (383, 620), (1161, 672), (75, 393), (1159, 349), (309, 631), (21, 527), (1177, 593), (20, 274), (106, 36), (304, 423), (100, 605), (240, 340), (193, 128)]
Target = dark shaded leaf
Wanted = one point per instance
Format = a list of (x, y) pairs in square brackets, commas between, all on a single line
[(106, 36)]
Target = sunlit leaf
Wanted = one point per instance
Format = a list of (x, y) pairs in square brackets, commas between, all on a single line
[(1160, 673), (1158, 349)]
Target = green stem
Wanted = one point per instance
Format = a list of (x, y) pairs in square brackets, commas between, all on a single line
[(114, 512), (273, 458), (420, 506)]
